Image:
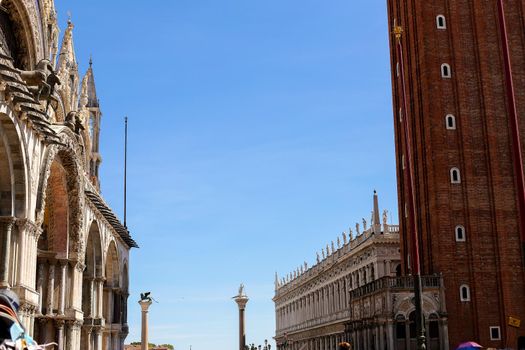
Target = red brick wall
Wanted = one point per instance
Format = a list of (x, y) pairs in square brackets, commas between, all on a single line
[(485, 202)]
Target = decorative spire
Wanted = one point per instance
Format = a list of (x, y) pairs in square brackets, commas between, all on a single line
[(375, 214)]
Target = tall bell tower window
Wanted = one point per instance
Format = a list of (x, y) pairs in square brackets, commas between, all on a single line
[(464, 293), (446, 71), (455, 176), (450, 122), (441, 22), (460, 234)]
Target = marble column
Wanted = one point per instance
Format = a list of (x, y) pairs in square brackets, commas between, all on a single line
[(62, 302), (59, 324), (144, 305), (51, 288), (98, 338), (390, 335), (39, 286), (6, 225), (99, 296)]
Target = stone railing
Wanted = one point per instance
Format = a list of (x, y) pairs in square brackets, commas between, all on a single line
[(325, 319), (395, 283)]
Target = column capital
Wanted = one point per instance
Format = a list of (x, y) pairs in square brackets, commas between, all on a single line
[(145, 304), (59, 323), (97, 330), (29, 226)]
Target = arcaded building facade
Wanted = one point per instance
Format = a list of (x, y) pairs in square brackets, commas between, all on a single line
[(62, 249), (355, 293), (458, 77)]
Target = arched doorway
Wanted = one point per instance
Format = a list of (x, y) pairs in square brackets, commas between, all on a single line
[(12, 198), (111, 301), (91, 288), (57, 252)]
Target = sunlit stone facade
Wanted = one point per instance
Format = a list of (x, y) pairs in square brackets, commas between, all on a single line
[(62, 249), (355, 293)]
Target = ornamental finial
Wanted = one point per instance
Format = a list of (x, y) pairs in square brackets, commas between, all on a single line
[(398, 31)]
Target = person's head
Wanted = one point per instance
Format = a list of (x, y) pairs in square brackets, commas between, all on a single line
[(344, 346)]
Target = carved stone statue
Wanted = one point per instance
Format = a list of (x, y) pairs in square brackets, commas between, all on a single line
[(305, 266), (41, 81), (339, 242), (241, 289), (385, 217), (345, 240), (322, 250), (357, 229), (318, 257), (74, 122), (333, 247), (364, 224), (350, 234), (328, 251)]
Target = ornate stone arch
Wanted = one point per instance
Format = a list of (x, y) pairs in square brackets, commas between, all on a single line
[(70, 158), (406, 306), (28, 30), (14, 168)]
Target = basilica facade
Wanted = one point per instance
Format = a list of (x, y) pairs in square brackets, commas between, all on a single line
[(356, 293), (62, 249)]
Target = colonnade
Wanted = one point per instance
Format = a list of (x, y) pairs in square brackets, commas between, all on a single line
[(327, 342), (328, 299)]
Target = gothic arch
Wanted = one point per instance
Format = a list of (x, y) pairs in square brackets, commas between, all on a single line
[(13, 169), (64, 159)]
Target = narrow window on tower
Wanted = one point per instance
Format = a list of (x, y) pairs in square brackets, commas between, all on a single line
[(464, 293), (455, 177), (445, 71), (495, 333), (441, 22), (460, 234), (450, 122)]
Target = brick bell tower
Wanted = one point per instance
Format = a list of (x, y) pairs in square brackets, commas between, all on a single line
[(458, 77)]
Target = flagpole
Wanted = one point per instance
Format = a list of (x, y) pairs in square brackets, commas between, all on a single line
[(125, 165)]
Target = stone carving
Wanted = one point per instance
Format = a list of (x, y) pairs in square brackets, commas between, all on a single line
[(74, 122), (333, 247), (350, 234), (385, 218), (305, 266), (318, 257), (345, 240), (41, 81), (328, 251), (339, 242), (322, 250), (356, 229), (364, 224)]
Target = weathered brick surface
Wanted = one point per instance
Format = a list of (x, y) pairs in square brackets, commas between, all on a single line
[(485, 202)]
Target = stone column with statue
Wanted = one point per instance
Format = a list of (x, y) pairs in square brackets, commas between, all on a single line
[(145, 302), (241, 299)]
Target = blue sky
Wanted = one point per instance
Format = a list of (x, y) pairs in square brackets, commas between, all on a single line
[(258, 131)]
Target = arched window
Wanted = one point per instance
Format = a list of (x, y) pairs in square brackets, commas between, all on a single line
[(455, 176), (441, 22), (460, 234), (400, 327), (446, 72), (464, 293), (450, 122)]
